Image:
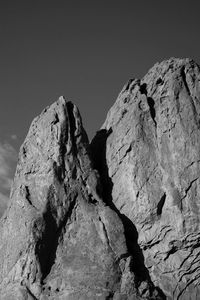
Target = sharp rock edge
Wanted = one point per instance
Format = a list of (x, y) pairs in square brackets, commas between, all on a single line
[(116, 219), (59, 239), (151, 161)]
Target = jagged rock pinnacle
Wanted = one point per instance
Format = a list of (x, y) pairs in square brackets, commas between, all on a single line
[(58, 238), (119, 218), (151, 142)]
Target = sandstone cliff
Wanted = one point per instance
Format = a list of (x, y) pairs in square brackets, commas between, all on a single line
[(150, 162)]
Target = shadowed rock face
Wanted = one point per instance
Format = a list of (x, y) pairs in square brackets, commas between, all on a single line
[(58, 239), (151, 165), (117, 219)]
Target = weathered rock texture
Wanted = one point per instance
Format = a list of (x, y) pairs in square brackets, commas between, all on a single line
[(117, 219), (58, 239), (150, 163)]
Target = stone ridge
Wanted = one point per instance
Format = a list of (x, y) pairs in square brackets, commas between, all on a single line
[(150, 162), (119, 218), (59, 240)]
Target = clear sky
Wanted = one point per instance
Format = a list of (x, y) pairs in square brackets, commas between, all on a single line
[(85, 50)]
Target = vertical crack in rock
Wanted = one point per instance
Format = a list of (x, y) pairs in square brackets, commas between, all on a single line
[(150, 101), (184, 80), (151, 104), (72, 125), (28, 196), (161, 204)]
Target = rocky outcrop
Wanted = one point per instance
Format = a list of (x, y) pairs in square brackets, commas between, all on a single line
[(150, 163), (58, 238), (116, 219)]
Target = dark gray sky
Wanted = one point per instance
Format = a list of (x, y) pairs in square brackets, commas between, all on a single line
[(84, 50)]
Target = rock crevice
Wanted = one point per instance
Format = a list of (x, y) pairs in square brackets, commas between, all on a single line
[(156, 184), (117, 218)]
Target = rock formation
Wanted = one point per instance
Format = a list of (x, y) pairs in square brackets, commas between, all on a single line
[(150, 162), (58, 239), (115, 219)]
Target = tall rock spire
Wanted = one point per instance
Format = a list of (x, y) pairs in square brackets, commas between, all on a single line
[(151, 166), (119, 218), (58, 239)]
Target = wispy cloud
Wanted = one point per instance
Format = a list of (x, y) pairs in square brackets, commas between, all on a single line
[(8, 159), (13, 137)]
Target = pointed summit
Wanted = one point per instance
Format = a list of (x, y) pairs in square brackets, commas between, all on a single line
[(58, 238), (152, 156), (117, 219)]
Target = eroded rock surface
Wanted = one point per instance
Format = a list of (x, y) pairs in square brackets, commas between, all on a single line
[(58, 239), (150, 162), (118, 219)]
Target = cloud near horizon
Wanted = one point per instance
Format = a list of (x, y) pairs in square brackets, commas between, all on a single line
[(8, 160)]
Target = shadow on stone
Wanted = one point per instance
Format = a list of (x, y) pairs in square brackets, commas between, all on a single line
[(98, 157), (48, 242)]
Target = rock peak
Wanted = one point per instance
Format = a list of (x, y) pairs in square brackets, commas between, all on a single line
[(170, 66), (59, 240), (151, 153), (117, 218)]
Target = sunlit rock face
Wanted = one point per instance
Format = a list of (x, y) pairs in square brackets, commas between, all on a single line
[(150, 162), (115, 219), (59, 239)]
